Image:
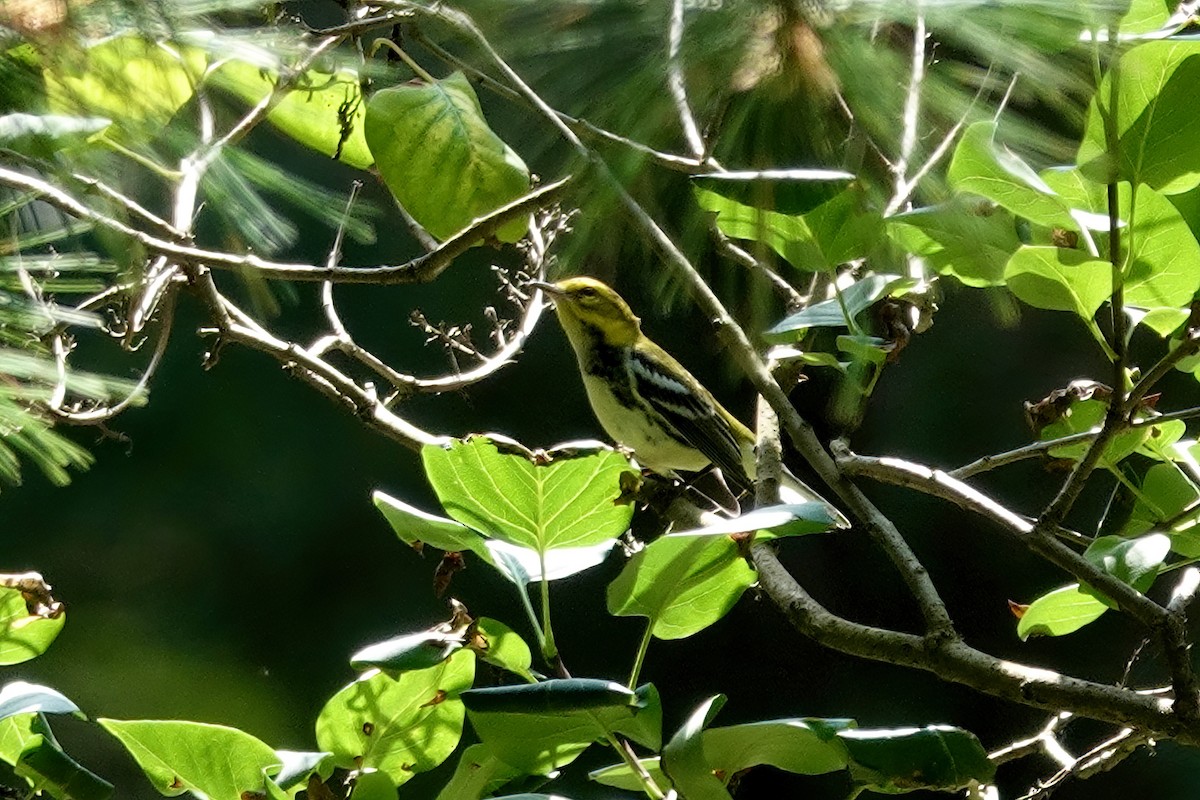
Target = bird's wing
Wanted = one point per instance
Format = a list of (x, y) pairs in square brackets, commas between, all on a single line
[(691, 411)]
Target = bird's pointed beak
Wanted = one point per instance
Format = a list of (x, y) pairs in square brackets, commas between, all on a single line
[(552, 289)]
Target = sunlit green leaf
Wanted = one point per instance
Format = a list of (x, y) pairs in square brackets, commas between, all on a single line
[(1059, 612), (212, 760), (569, 502), (24, 635), (322, 110), (682, 584), (1155, 118), (1066, 610), (478, 774), (838, 230), (500, 645), (400, 727), (972, 241), (1058, 279), (683, 759), (983, 166), (417, 528), (802, 746), (137, 83), (440, 159)]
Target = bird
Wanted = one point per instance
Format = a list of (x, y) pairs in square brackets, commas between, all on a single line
[(649, 402)]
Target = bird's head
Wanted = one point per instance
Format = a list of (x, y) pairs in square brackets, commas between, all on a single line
[(587, 307)]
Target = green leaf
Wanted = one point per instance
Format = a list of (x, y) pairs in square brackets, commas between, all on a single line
[(868, 349), (137, 83), (213, 761), (411, 652), (27, 743), (19, 697), (399, 727), (1161, 270), (907, 759), (1132, 561), (549, 697), (972, 241), (536, 728), (1058, 279), (1155, 120), (478, 774), (373, 785), (984, 167), (682, 584), (802, 746), (571, 502), (322, 110), (501, 646), (621, 776), (857, 298), (23, 635), (51, 771), (417, 528), (1088, 415), (683, 758), (839, 230), (440, 159), (1066, 610), (1144, 16), (1166, 492), (1160, 248), (1060, 612), (19, 732)]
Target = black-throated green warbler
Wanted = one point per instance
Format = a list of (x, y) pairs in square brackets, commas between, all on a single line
[(646, 400)]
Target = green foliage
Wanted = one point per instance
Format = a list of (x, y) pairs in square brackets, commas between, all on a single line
[(1048, 237), (25, 634), (439, 157), (208, 760), (837, 231), (1066, 610), (398, 726), (321, 110)]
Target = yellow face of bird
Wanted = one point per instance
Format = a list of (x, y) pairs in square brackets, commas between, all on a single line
[(587, 306)]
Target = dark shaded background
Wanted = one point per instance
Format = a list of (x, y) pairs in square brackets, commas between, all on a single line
[(222, 559)]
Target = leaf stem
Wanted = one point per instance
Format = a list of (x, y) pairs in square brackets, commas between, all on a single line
[(640, 658), (405, 57), (549, 649), (631, 761), (523, 591)]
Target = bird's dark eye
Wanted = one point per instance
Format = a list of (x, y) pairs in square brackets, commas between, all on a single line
[(587, 292)]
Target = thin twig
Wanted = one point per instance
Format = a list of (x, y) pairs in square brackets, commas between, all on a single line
[(987, 463), (678, 86), (421, 269)]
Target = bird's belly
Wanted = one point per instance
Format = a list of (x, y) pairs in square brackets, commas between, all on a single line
[(654, 447)]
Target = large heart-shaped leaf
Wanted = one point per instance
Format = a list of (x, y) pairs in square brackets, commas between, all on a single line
[(440, 159), (573, 500)]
